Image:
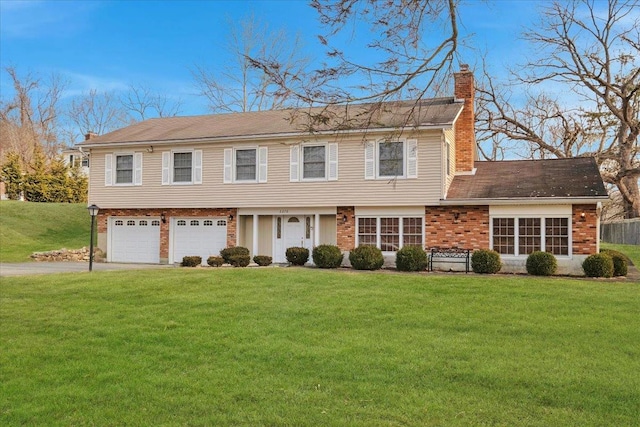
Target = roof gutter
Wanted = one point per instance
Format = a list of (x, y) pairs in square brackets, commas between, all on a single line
[(88, 144), (524, 201)]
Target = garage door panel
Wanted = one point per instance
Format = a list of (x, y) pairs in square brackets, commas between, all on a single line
[(135, 240), (202, 237)]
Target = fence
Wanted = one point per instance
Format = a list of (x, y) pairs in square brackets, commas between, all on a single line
[(625, 232)]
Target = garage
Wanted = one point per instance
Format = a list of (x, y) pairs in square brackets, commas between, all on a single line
[(198, 236), (134, 240)]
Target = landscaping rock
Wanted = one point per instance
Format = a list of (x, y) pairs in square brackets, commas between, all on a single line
[(62, 255)]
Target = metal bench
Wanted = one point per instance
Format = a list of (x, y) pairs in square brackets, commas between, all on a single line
[(455, 255)]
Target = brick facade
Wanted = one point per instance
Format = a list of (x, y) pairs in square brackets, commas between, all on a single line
[(469, 231), (465, 125), (346, 231), (104, 214), (584, 230)]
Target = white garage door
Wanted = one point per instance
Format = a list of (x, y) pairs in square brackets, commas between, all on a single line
[(198, 236), (135, 240)]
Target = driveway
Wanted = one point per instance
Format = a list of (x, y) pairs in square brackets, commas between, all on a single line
[(26, 268)]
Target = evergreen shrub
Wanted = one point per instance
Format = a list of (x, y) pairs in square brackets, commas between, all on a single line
[(366, 258), (485, 261), (411, 258), (327, 256)]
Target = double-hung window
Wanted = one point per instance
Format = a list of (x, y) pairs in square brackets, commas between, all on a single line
[(182, 167), (390, 233), (123, 169), (391, 159), (245, 164), (314, 162), (524, 235)]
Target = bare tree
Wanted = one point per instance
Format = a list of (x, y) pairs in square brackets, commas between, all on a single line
[(416, 44), (31, 118), (142, 103), (96, 112), (240, 87), (590, 56)]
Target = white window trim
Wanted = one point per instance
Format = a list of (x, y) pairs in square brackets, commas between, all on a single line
[(404, 159), (326, 161), (194, 166), (516, 232), (374, 162), (378, 236), (136, 158), (235, 169)]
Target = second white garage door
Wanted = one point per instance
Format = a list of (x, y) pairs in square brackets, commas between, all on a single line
[(198, 236)]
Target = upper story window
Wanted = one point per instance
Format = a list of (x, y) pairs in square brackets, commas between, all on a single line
[(123, 169), (391, 159), (245, 165), (182, 167), (317, 162)]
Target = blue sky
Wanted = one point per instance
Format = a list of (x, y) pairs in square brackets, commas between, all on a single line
[(108, 45)]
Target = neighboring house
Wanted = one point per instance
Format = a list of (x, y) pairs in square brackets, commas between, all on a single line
[(179, 186), (74, 156)]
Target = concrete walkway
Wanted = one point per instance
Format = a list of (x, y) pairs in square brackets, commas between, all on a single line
[(26, 268)]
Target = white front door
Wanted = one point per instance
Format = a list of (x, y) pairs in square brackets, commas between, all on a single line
[(290, 231)]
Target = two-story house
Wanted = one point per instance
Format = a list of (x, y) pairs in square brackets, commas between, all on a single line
[(179, 186)]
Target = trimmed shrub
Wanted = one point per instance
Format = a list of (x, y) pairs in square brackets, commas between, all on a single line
[(239, 260), (297, 255), (620, 261), (191, 261), (411, 258), (327, 256), (598, 265), (262, 260), (485, 261), (366, 258), (227, 253), (215, 261), (541, 264)]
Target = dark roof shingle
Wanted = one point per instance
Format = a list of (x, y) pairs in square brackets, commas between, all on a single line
[(511, 179)]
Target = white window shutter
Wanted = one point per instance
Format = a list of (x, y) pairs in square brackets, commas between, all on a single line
[(262, 174), (412, 158), (228, 165), (369, 160), (166, 166), (333, 162), (294, 165), (197, 167), (137, 168), (108, 169)]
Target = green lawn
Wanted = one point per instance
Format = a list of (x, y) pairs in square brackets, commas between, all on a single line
[(29, 227), (306, 347)]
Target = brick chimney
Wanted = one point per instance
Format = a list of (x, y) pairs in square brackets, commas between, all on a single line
[(465, 125), (90, 135)]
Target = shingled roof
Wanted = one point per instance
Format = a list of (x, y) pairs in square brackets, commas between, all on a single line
[(530, 179), (404, 114)]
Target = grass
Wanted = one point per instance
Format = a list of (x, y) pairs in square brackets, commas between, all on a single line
[(32, 227), (631, 251), (307, 347)]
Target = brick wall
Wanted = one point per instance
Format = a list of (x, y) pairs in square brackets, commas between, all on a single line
[(345, 231), (584, 230), (465, 125), (469, 231), (104, 214)]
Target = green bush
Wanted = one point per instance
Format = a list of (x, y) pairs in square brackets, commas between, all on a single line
[(541, 264), (191, 261), (366, 258), (227, 253), (598, 265), (411, 258), (215, 261), (297, 255), (620, 261), (327, 256), (485, 261), (239, 260), (262, 260)]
